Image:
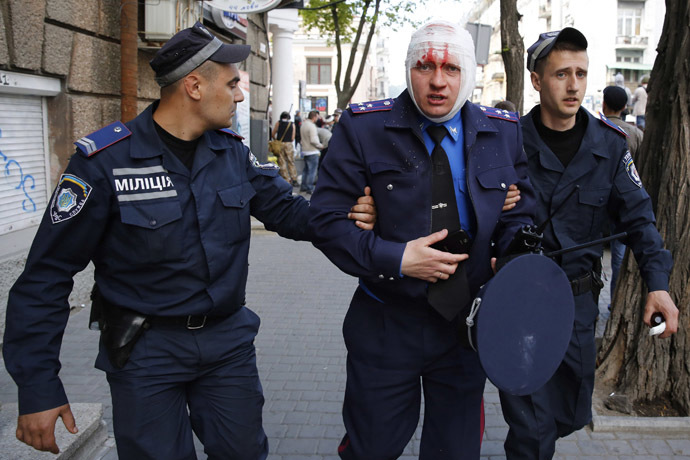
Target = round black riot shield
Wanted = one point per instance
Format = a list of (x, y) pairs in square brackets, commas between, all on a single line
[(523, 323)]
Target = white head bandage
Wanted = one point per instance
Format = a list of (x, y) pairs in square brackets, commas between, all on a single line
[(441, 41)]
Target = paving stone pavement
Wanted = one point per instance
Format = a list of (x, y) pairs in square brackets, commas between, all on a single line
[(302, 299)]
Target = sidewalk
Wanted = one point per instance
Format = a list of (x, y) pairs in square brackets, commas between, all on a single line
[(302, 299)]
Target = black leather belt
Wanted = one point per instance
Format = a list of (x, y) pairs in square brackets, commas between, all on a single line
[(585, 283), (190, 322)]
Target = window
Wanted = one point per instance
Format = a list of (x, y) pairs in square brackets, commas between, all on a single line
[(624, 55), (629, 19), (319, 71)]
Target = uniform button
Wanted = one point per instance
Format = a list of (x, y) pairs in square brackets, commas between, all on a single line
[(381, 277), (153, 222), (389, 186), (503, 185), (391, 279)]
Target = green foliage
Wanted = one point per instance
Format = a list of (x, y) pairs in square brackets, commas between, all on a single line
[(392, 14)]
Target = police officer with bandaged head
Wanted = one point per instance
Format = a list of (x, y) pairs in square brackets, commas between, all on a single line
[(440, 167), (161, 205)]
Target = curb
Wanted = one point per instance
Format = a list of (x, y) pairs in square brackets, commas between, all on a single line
[(608, 423)]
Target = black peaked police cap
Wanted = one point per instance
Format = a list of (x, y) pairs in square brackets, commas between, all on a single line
[(188, 49), (543, 46)]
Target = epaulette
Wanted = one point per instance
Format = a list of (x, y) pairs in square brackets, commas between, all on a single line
[(493, 112), (373, 106), (231, 132), (104, 137), (612, 125)]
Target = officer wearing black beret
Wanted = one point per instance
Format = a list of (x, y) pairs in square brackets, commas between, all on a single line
[(584, 176), (162, 206)]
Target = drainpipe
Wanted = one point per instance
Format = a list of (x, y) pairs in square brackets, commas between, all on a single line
[(128, 59)]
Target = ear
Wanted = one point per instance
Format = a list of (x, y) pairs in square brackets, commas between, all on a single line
[(536, 83), (192, 85)]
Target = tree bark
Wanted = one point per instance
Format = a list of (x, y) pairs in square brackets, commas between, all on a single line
[(512, 51), (639, 366)]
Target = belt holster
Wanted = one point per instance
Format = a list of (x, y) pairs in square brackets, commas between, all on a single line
[(120, 328)]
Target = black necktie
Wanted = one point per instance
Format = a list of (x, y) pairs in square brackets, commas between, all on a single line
[(449, 296)]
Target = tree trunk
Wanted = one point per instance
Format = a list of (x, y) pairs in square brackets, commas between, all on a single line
[(512, 50), (641, 367)]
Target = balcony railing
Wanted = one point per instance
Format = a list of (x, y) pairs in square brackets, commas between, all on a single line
[(633, 40)]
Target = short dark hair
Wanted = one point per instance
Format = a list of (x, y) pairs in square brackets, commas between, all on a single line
[(313, 113), (506, 105), (561, 45), (284, 116)]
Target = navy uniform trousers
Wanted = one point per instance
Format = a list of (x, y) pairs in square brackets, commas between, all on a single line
[(389, 346), (563, 404), (178, 380)]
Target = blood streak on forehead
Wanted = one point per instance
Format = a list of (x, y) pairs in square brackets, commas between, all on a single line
[(437, 56)]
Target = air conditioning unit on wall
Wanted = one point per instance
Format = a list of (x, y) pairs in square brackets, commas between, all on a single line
[(164, 18)]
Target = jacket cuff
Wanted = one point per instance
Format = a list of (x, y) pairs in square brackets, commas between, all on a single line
[(657, 282), (41, 397), (387, 258)]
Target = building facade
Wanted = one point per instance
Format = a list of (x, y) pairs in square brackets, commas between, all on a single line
[(622, 36)]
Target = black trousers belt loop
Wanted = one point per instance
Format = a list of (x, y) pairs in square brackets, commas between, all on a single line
[(191, 322), (585, 283)]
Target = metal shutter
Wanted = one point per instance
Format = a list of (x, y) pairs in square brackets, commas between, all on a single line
[(23, 189)]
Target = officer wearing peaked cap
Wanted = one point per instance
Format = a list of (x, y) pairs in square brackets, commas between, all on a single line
[(583, 175), (161, 205), (402, 326)]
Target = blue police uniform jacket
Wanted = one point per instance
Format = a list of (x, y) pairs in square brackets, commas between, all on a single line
[(608, 187), (382, 146), (164, 240)]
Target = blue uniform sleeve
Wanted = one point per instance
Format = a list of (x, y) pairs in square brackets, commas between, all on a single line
[(525, 211), (274, 204), (631, 208), (37, 308), (342, 178)]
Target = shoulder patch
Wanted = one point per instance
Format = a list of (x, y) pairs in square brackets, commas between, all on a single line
[(612, 125), (104, 137), (69, 198), (255, 162), (231, 132), (493, 112), (631, 169), (373, 106)]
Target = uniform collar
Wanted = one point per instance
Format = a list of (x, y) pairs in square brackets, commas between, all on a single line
[(593, 143), (147, 145), (404, 114), (453, 126)]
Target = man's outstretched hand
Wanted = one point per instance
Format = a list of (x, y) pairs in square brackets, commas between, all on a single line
[(38, 429)]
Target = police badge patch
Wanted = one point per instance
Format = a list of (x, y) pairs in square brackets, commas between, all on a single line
[(631, 169), (69, 198)]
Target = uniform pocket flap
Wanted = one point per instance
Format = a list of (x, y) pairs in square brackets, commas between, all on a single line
[(237, 196), (596, 197), (151, 215), (498, 178), (380, 167)]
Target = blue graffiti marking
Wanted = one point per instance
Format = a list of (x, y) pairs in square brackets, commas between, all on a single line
[(22, 180)]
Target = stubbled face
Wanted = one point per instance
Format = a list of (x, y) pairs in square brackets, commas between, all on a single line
[(561, 85), (436, 83), (222, 96)]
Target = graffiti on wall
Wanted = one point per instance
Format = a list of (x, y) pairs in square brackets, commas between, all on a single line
[(14, 173)]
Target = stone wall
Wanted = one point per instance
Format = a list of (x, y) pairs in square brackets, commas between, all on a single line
[(77, 41)]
